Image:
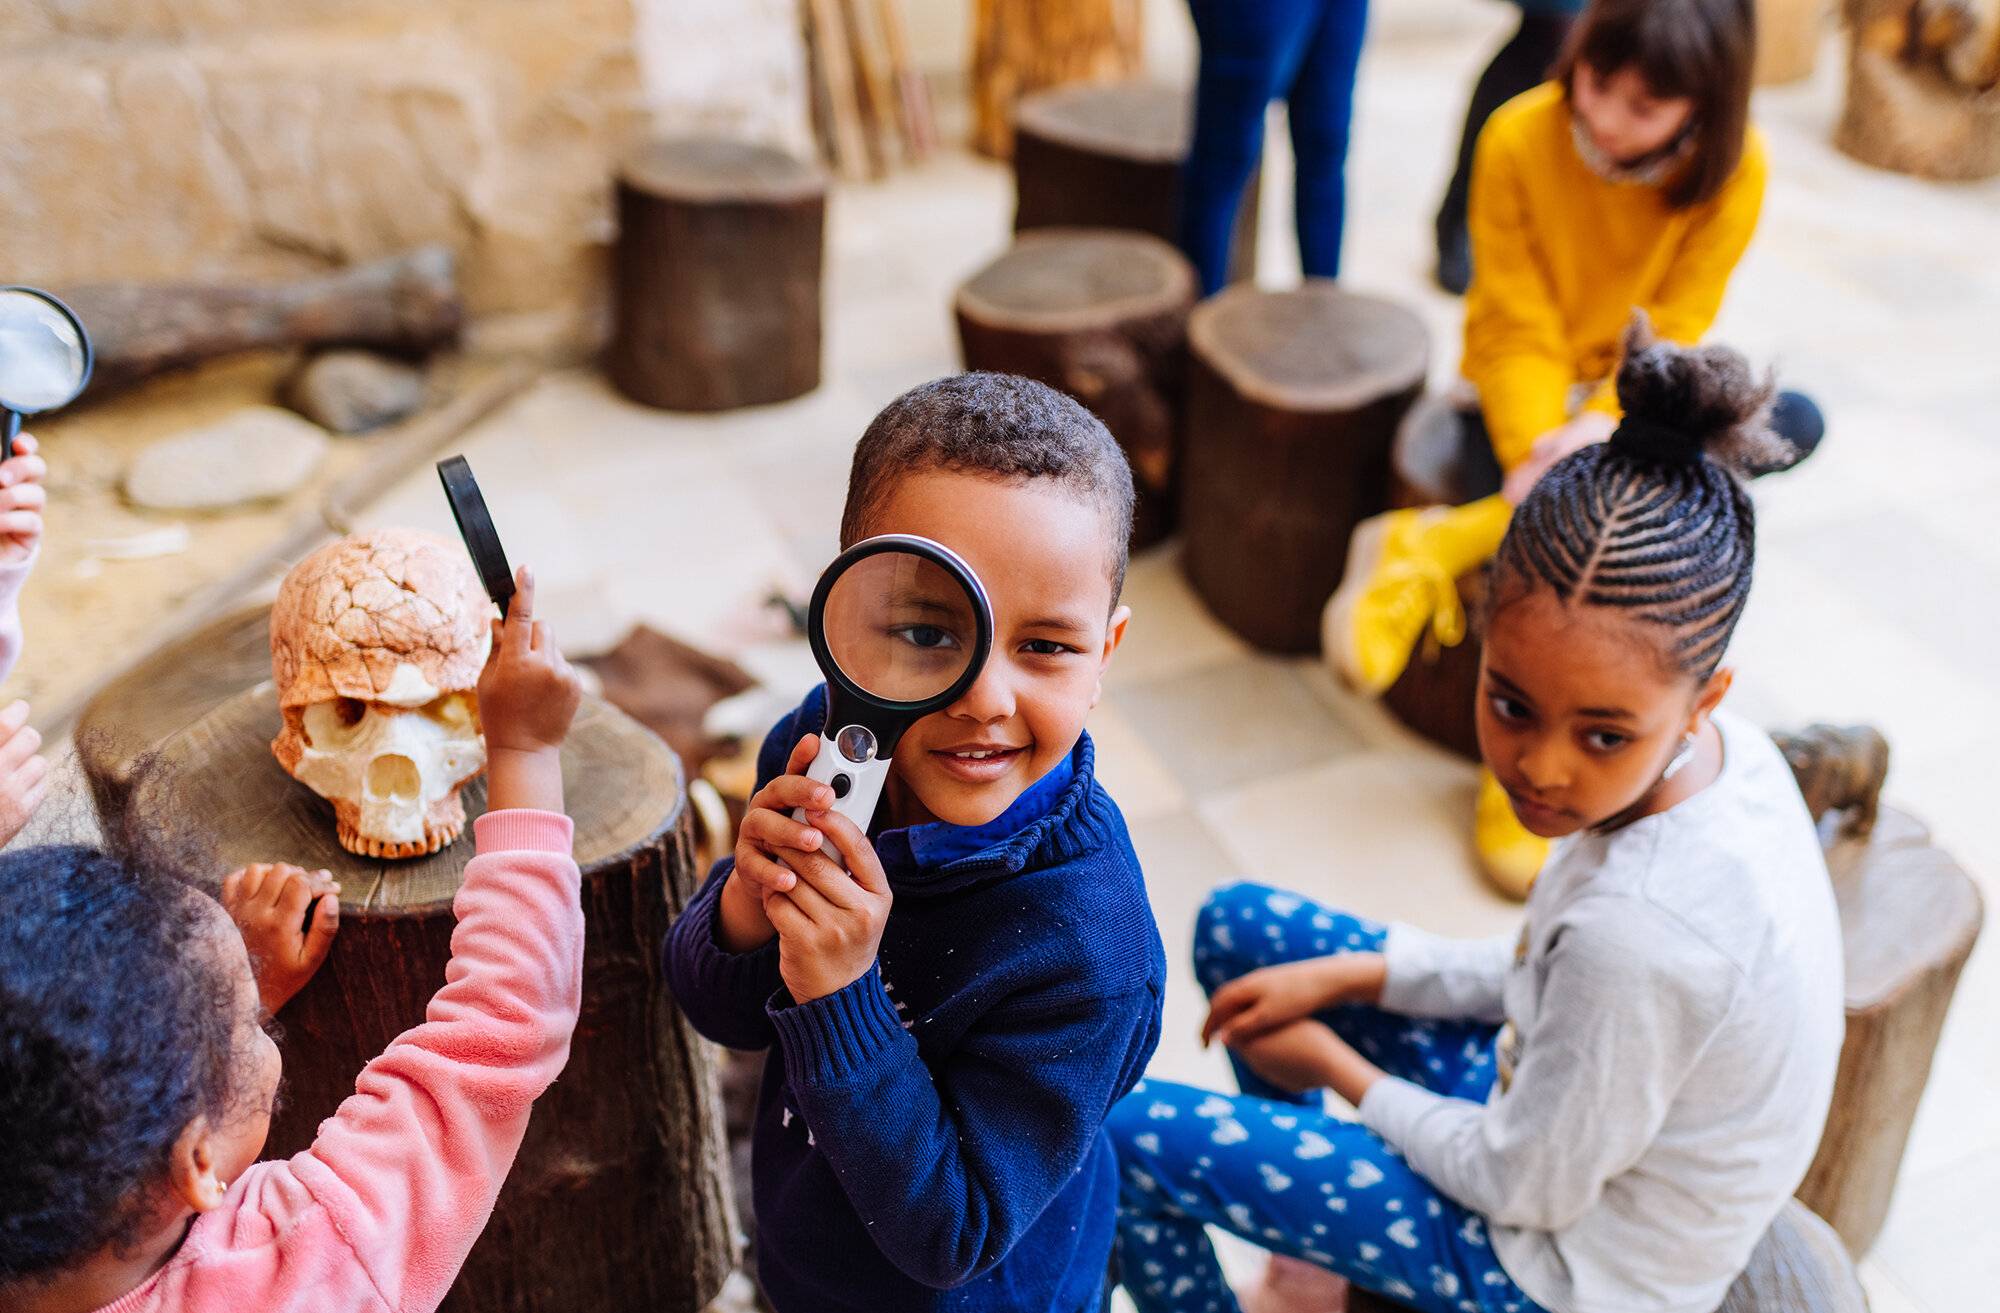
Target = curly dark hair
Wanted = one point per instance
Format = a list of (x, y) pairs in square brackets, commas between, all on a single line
[(999, 425), (116, 1031), (1658, 520)]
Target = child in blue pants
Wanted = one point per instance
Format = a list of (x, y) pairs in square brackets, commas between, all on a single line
[(1275, 1168)]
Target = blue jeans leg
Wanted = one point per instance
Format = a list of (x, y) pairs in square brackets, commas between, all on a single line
[(1295, 1181), (1321, 107), (1250, 55)]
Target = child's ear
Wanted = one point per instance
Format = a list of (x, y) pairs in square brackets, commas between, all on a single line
[(1114, 634), (191, 1168), (1710, 697)]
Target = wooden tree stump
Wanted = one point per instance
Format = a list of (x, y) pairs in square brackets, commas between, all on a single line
[(618, 1198), (716, 276), (1798, 1267), (1110, 156), (1021, 46), (1101, 315), (1293, 402), (1913, 118), (1909, 917)]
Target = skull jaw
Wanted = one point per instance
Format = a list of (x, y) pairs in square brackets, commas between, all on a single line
[(444, 821)]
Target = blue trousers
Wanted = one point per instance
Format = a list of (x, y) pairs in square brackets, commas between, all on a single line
[(1253, 52), (1276, 1169)]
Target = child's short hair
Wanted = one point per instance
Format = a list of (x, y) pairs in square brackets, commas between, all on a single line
[(118, 1027), (998, 425), (1657, 520), (1701, 49)]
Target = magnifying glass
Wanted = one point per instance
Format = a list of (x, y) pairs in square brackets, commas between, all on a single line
[(901, 627), (44, 358), (482, 541)]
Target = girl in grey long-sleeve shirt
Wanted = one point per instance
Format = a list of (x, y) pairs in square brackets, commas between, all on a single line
[(1603, 1113)]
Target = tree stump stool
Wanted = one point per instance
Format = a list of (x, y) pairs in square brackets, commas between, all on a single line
[(715, 276), (1293, 402), (1909, 916), (1798, 1267), (1923, 89), (1109, 155), (617, 1199), (1101, 315)]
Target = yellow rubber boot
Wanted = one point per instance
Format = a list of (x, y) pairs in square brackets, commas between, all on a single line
[(1509, 855), (1401, 580)]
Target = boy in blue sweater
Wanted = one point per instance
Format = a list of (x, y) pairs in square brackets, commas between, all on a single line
[(949, 1025)]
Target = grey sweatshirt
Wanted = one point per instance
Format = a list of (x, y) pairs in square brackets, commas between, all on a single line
[(1673, 1013)]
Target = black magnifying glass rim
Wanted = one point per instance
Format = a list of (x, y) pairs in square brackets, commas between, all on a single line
[(82, 335), (893, 717), (475, 526)]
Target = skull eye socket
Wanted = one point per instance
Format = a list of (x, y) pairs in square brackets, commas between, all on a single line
[(452, 710), (329, 725)]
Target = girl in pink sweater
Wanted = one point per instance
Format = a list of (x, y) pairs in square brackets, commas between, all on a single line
[(137, 1082)]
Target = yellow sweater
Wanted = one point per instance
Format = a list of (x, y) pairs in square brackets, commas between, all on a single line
[(1560, 256)]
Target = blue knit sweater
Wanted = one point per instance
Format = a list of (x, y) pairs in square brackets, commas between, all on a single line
[(931, 1136)]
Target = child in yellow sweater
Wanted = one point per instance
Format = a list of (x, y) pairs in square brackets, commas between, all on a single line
[(1630, 180)]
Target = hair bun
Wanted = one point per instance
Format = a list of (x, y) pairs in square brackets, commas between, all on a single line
[(1682, 404)]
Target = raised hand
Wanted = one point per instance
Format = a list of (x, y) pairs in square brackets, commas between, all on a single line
[(528, 695), (24, 775), (22, 498)]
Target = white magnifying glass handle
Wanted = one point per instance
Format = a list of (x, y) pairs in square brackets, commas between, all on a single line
[(856, 785)]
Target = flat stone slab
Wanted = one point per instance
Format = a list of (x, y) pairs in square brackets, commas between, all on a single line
[(257, 454)]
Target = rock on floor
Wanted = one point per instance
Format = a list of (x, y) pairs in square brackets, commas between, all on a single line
[(354, 391), (259, 453)]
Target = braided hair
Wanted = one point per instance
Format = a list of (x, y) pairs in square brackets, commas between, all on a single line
[(1658, 520)]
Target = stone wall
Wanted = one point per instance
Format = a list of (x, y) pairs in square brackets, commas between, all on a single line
[(188, 138)]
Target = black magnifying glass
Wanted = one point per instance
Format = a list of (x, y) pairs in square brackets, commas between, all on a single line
[(475, 525), (45, 358), (901, 627)]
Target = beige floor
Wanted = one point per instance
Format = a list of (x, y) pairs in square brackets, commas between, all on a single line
[(1875, 600)]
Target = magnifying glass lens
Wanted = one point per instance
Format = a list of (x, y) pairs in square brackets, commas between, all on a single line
[(900, 627), (41, 355)]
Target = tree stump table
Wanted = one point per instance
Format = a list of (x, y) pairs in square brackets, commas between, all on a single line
[(1293, 402), (617, 1199), (1798, 1267), (1102, 315), (1923, 89), (1109, 155), (715, 276)]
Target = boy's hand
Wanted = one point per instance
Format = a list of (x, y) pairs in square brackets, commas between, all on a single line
[(24, 776), (768, 827), (830, 923), (1263, 1000), (527, 697), (268, 902), (22, 497)]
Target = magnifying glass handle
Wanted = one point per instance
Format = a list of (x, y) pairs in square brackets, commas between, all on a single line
[(9, 428), (856, 787)]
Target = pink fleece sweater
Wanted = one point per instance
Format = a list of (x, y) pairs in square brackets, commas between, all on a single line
[(381, 1211), (12, 576)]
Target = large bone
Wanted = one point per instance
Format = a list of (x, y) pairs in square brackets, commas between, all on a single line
[(407, 304)]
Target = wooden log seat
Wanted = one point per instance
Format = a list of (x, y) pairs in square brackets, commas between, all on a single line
[(1102, 315), (715, 278), (1294, 399), (1109, 155)]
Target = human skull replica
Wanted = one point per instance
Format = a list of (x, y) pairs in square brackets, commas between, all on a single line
[(377, 642)]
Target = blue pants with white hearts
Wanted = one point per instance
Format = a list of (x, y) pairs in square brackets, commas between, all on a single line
[(1277, 1170)]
